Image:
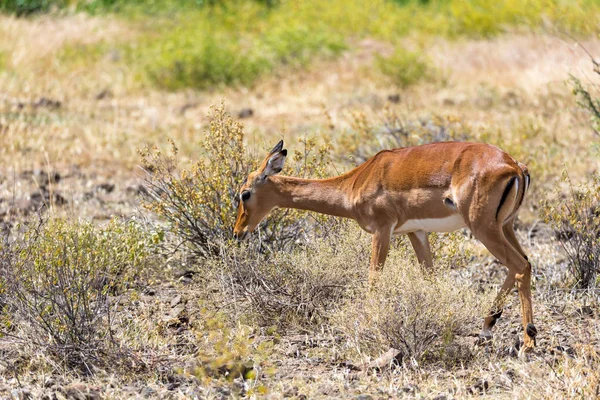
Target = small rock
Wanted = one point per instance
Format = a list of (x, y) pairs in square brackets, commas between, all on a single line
[(246, 113), (175, 300), (185, 274), (224, 391), (21, 394), (79, 391), (41, 177), (364, 397), (176, 318), (47, 103), (479, 388), (394, 98), (105, 187), (186, 107), (441, 396), (563, 349), (386, 359), (147, 391), (326, 389), (449, 102), (410, 388), (185, 277), (293, 351), (350, 365), (291, 392), (106, 93), (585, 311), (195, 393), (136, 190)]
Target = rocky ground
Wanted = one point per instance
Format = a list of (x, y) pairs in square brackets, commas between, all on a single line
[(68, 148)]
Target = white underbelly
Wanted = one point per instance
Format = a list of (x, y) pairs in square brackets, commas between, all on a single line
[(447, 224)]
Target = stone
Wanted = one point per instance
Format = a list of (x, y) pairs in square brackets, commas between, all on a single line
[(245, 113), (175, 300)]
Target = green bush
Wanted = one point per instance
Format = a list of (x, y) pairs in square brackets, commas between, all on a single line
[(234, 45), (229, 353), (182, 62), (61, 276), (406, 68), (26, 7)]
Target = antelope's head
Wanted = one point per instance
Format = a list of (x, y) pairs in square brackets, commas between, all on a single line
[(256, 194)]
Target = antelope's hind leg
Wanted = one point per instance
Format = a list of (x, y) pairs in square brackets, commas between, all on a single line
[(519, 271), (497, 307)]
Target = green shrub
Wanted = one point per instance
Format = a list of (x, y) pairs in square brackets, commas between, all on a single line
[(26, 7), (61, 276), (208, 61), (406, 68), (232, 45), (199, 204), (228, 353)]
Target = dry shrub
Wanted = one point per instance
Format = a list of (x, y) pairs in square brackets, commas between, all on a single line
[(416, 312), (367, 135), (228, 353), (587, 101), (289, 290), (575, 218), (200, 203), (61, 276)]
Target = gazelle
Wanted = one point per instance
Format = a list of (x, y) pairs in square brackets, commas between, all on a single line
[(439, 187)]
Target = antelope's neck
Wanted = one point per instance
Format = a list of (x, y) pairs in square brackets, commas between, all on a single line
[(326, 196)]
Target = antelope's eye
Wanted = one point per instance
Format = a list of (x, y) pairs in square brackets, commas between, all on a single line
[(245, 195)]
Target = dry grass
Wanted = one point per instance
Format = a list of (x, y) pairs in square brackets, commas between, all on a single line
[(509, 91)]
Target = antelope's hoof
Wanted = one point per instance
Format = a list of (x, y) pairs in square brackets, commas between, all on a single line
[(483, 339), (531, 331), (526, 349)]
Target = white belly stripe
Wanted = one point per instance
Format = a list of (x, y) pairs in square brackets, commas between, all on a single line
[(448, 224)]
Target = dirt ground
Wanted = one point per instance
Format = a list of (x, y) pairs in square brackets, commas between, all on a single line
[(68, 140)]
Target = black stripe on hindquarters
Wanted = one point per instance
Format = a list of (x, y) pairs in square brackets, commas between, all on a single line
[(505, 194)]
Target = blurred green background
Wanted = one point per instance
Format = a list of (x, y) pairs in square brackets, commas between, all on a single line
[(209, 43)]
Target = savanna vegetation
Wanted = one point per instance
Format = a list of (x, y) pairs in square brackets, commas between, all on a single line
[(127, 128)]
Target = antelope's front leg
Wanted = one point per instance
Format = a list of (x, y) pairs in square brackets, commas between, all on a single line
[(381, 245)]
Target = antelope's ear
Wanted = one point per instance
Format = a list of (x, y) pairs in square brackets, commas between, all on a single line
[(273, 164)]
